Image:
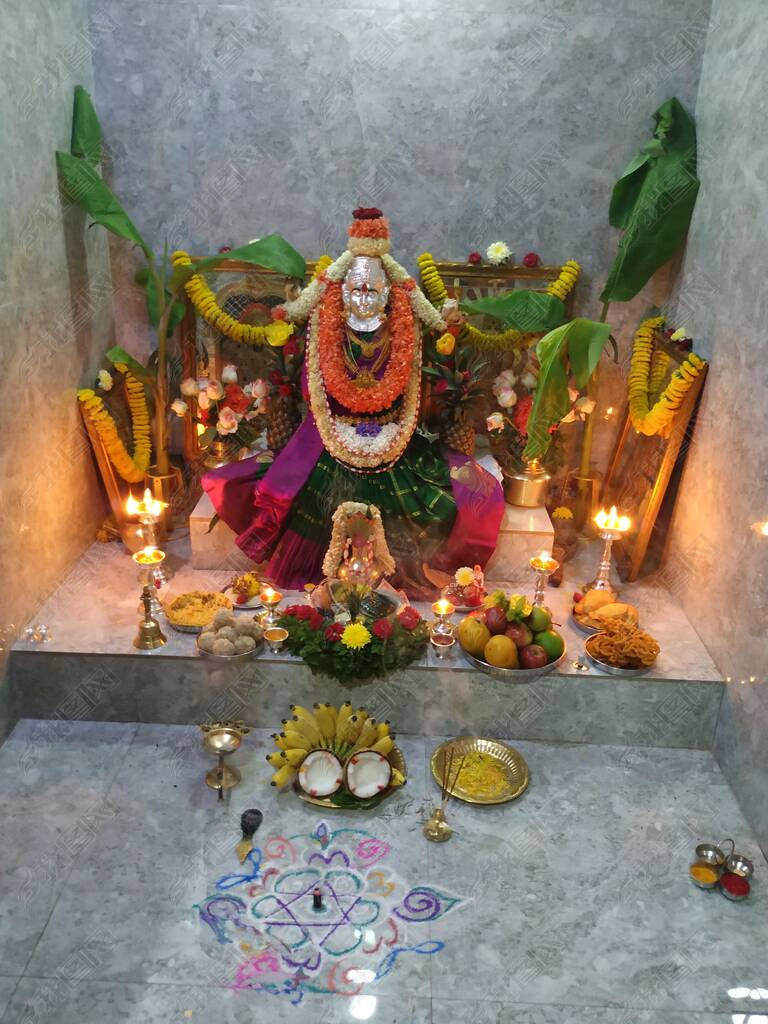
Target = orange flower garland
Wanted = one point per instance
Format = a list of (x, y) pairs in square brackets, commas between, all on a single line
[(336, 379), (130, 467)]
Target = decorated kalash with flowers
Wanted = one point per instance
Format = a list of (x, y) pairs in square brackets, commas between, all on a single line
[(360, 441)]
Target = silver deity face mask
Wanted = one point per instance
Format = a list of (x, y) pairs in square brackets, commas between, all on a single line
[(365, 293)]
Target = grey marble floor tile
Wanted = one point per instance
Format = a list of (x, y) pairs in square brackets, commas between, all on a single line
[(93, 1002), (490, 1012), (7, 985), (54, 777), (172, 840)]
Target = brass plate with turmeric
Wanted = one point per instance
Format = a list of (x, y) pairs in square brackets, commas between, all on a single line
[(397, 761), (505, 762)]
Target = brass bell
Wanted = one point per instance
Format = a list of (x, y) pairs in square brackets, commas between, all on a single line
[(150, 635)]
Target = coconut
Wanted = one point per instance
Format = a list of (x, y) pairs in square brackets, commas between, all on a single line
[(321, 773), (367, 773)]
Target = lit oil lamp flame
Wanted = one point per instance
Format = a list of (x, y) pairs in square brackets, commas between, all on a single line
[(761, 529), (148, 506), (612, 521), (270, 596), (544, 561), (443, 607)]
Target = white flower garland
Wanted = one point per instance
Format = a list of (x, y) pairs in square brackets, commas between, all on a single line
[(299, 309), (355, 442), (420, 304)]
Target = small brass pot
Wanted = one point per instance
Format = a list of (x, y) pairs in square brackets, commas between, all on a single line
[(528, 487)]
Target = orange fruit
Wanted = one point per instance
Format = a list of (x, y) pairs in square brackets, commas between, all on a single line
[(501, 652)]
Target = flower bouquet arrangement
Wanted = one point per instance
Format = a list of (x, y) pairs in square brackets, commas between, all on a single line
[(226, 410), (366, 648)]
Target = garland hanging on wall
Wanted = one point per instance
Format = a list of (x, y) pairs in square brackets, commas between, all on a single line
[(646, 375), (203, 299), (131, 468)]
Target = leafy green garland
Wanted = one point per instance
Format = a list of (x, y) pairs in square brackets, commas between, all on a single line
[(319, 645)]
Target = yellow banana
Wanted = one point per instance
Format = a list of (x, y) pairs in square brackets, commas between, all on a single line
[(303, 714), (397, 778), (345, 711), (296, 739), (325, 722), (382, 729), (362, 714), (352, 731), (384, 746), (283, 776), (276, 759), (310, 729), (295, 757), (280, 740), (368, 734)]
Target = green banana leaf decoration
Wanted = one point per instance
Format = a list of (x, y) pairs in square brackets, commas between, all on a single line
[(521, 309), (574, 347), (83, 185), (653, 202)]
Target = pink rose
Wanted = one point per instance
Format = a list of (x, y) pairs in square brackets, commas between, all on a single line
[(229, 374), (259, 389), (215, 390), (189, 386), (227, 421)]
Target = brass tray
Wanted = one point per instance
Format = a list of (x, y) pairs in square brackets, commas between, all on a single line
[(508, 757), (397, 761)]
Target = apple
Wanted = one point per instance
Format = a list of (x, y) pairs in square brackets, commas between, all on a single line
[(496, 620), (533, 656), (540, 618), (519, 634)]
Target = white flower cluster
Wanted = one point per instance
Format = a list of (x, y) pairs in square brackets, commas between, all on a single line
[(503, 389), (497, 253), (355, 442)]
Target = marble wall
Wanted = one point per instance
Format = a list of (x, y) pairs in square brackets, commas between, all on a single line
[(725, 304), (55, 311), (466, 122)]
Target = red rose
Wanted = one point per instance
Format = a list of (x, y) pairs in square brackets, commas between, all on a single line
[(333, 632), (236, 398), (290, 348), (316, 619), (521, 412), (225, 248), (278, 313), (441, 386), (531, 259), (294, 610), (474, 257), (409, 618), (285, 390), (382, 628), (304, 611), (204, 418), (275, 377)]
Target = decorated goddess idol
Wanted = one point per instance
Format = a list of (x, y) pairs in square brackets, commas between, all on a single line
[(360, 440)]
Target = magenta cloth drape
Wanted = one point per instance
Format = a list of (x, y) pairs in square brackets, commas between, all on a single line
[(479, 508)]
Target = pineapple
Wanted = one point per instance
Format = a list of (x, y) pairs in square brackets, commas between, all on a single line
[(282, 420), (458, 432)]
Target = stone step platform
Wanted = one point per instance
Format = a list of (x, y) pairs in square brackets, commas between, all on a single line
[(89, 670)]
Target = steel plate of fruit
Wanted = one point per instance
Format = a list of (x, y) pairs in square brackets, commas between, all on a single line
[(342, 800), (492, 772), (515, 675)]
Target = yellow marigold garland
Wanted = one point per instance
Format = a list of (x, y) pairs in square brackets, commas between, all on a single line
[(497, 341), (203, 299), (130, 468), (431, 282), (569, 275), (322, 264), (645, 373)]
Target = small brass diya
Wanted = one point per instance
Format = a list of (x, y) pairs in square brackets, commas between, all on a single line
[(221, 739)]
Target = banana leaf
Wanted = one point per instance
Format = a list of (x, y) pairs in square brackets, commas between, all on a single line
[(147, 282), (576, 345), (86, 130), (272, 252), (653, 202), (83, 186), (117, 355), (522, 309)]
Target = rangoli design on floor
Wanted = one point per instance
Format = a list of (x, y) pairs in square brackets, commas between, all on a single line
[(369, 920)]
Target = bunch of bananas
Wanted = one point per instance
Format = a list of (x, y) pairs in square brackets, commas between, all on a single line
[(341, 730)]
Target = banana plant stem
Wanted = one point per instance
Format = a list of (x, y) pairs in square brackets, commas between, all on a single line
[(589, 425)]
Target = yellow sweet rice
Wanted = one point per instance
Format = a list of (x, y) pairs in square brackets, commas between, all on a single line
[(483, 775)]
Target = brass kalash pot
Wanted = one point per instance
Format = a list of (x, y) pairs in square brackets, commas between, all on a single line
[(528, 487)]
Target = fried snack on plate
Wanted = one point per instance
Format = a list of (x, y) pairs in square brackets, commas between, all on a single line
[(623, 646)]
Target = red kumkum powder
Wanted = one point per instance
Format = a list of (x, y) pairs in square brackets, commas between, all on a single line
[(734, 884)]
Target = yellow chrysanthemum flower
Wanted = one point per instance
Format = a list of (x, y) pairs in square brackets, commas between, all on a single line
[(355, 636), (464, 576), (561, 512)]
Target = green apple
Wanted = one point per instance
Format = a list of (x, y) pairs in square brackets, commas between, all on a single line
[(540, 618), (552, 643)]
